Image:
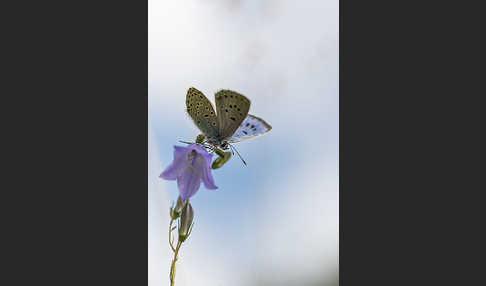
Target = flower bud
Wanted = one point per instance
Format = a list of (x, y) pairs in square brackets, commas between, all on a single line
[(176, 212), (223, 158), (185, 225)]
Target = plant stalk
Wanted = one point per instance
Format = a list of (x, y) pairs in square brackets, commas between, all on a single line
[(173, 265)]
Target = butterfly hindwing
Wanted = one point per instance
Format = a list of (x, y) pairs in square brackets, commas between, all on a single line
[(251, 127), (202, 112), (232, 109)]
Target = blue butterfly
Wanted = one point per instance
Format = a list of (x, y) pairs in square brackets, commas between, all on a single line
[(230, 123)]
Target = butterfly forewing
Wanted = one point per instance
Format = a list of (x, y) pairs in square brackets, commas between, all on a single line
[(251, 127), (202, 112), (232, 109)]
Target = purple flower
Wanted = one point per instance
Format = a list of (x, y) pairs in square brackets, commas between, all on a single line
[(191, 165)]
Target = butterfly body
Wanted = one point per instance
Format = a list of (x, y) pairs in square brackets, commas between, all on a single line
[(230, 122), (216, 141)]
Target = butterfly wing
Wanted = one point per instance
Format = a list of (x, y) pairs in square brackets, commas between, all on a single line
[(251, 127), (202, 112), (232, 109)]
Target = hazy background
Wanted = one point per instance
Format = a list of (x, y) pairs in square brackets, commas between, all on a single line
[(275, 221)]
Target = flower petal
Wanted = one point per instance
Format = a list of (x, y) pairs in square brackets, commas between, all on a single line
[(207, 177), (178, 165), (199, 149), (189, 181)]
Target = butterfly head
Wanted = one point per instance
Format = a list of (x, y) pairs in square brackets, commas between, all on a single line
[(224, 145)]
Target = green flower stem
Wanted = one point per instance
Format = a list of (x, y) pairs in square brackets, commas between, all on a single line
[(173, 265), (170, 235), (174, 249)]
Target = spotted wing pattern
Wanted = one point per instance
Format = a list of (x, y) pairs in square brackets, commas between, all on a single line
[(251, 127), (232, 109), (202, 112)]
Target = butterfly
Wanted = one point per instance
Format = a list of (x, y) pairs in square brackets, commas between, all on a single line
[(230, 123)]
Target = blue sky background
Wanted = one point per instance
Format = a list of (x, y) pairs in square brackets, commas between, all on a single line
[(275, 221)]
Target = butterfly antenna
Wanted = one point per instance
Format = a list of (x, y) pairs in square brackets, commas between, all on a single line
[(186, 142), (241, 158)]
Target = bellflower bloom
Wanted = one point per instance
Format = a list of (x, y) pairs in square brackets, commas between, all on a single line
[(191, 164)]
